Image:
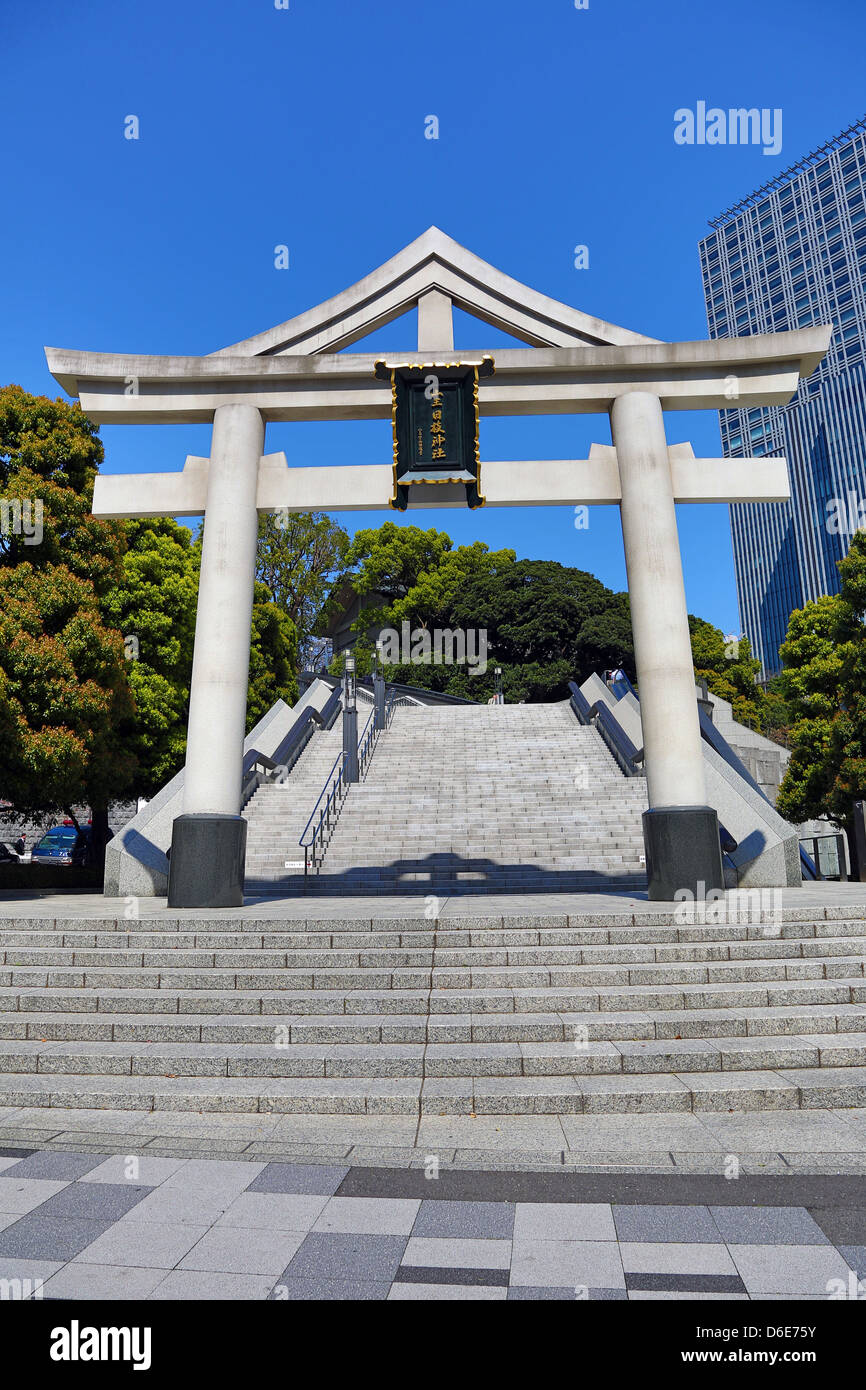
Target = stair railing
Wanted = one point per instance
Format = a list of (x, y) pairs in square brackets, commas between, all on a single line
[(316, 834), (327, 805), (391, 704), (366, 743), (624, 752)]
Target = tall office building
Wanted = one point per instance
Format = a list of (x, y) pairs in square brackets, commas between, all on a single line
[(793, 253)]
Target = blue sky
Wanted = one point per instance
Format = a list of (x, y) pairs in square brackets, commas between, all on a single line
[(305, 127)]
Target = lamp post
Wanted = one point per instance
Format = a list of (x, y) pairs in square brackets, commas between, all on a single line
[(350, 721), (497, 685)]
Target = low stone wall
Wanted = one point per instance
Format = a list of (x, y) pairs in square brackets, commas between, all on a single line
[(119, 815)]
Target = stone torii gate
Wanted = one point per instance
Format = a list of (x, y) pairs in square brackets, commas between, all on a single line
[(573, 364)]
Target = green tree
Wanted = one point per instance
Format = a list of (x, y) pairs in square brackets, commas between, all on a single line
[(133, 579), (824, 680), (154, 607), (300, 554), (273, 657), (64, 699), (729, 669), (63, 687), (389, 559), (545, 623)]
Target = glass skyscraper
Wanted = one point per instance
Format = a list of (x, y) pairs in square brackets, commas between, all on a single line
[(793, 253)]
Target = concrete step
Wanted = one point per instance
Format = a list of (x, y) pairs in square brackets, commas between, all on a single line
[(350, 996), (786, 1089), (579, 944), (424, 950), (379, 970), (429, 1059), (667, 1027), (555, 930)]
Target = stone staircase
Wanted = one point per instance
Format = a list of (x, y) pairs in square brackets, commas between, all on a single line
[(455, 1015), (456, 799)]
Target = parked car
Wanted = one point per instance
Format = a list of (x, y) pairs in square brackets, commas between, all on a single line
[(64, 845)]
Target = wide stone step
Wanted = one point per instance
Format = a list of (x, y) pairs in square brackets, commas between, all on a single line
[(785, 1089), (469, 1059), (663, 1026), (335, 973), (350, 998), (370, 950), (457, 932)]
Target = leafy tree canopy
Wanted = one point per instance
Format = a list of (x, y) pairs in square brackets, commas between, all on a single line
[(64, 698), (83, 718), (299, 557), (50, 438), (729, 669), (544, 623), (154, 607), (389, 559), (273, 657), (824, 681)]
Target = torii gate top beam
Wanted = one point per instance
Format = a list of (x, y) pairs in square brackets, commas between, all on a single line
[(704, 375), (576, 364)]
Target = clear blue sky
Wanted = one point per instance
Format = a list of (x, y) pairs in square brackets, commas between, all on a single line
[(306, 127)]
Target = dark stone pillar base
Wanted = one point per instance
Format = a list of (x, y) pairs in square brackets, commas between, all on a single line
[(682, 851), (206, 865)]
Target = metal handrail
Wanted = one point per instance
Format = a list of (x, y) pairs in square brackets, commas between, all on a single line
[(335, 790), (391, 704), (366, 741), (335, 785)]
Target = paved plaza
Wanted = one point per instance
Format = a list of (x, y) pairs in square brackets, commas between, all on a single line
[(89, 1226)]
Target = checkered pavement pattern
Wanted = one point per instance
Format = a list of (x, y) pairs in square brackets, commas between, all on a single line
[(89, 1226)]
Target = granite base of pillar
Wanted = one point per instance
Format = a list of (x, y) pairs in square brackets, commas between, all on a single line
[(207, 861), (683, 853)]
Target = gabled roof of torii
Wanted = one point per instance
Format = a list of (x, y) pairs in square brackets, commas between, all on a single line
[(434, 261)]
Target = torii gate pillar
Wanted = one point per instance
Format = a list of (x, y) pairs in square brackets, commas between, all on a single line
[(208, 842), (681, 832)]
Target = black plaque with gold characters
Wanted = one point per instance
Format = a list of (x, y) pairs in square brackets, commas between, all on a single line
[(435, 421)]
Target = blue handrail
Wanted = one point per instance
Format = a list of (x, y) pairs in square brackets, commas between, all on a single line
[(617, 740), (258, 767)]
